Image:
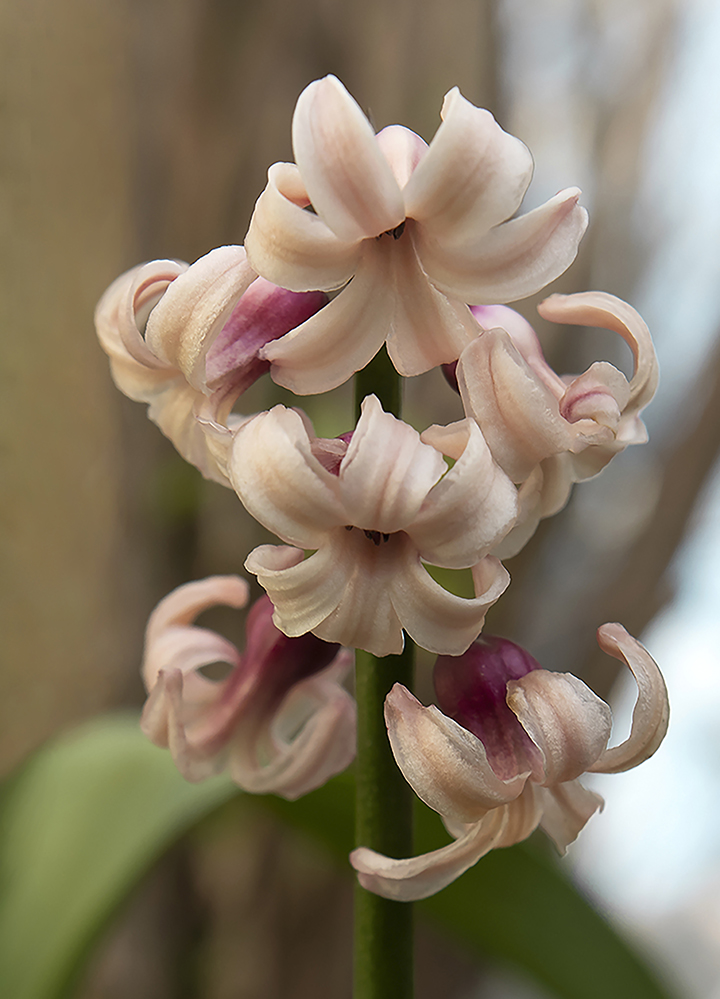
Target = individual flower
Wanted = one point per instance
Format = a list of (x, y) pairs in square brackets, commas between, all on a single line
[(420, 229), (280, 722), (186, 340), (547, 431), (370, 507), (503, 754)]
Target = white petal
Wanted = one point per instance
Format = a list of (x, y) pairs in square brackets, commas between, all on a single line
[(428, 328), (402, 149), (511, 261), (281, 483), (566, 808), (292, 247), (194, 309), (445, 764), (349, 181), (340, 339), (419, 877), (387, 471), (473, 176), (438, 620), (568, 723), (469, 510), (652, 710)]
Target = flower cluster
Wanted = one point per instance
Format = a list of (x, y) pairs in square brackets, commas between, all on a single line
[(371, 242)]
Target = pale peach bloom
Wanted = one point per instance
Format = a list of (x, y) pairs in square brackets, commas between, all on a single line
[(370, 507), (186, 340), (503, 755), (280, 722), (421, 231), (546, 431)]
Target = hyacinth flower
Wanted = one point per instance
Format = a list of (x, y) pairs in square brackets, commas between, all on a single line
[(548, 431), (502, 754), (421, 230), (372, 506), (280, 722), (185, 339)]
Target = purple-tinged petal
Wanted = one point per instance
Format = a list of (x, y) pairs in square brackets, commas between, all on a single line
[(445, 764), (343, 337), (292, 246), (565, 810), (281, 483), (348, 180), (568, 723), (387, 471), (419, 877), (192, 312), (402, 149), (601, 394), (511, 261), (470, 509), (440, 621), (473, 176), (652, 710)]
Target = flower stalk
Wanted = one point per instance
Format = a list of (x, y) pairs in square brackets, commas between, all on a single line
[(383, 962)]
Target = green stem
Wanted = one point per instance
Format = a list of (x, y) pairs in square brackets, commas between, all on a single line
[(383, 802)]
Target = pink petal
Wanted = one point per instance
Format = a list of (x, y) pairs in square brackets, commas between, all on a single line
[(387, 471), (419, 877), (194, 309), (568, 723), (342, 338), (652, 710), (511, 261), (473, 176), (281, 483), (438, 620), (402, 149), (293, 247), (566, 808), (470, 509), (348, 180)]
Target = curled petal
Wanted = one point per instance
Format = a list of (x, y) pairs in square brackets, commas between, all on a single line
[(652, 710), (472, 177), (470, 509), (194, 309), (293, 247), (444, 763), (568, 723), (511, 261), (438, 620), (279, 480), (565, 810), (419, 877), (601, 394), (349, 181), (387, 471), (182, 606), (340, 339)]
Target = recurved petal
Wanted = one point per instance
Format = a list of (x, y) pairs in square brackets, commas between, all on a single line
[(565, 810), (470, 509), (568, 723), (183, 605), (652, 709), (387, 471), (340, 339), (293, 247), (445, 764), (197, 304), (511, 261), (419, 877), (596, 308), (348, 180), (440, 621), (472, 177), (280, 482)]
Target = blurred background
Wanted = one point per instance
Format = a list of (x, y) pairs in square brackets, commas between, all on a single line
[(135, 129)]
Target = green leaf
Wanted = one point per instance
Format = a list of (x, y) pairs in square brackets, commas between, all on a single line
[(81, 823), (515, 905)]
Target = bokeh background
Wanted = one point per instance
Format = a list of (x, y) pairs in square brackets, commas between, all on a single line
[(134, 129)]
